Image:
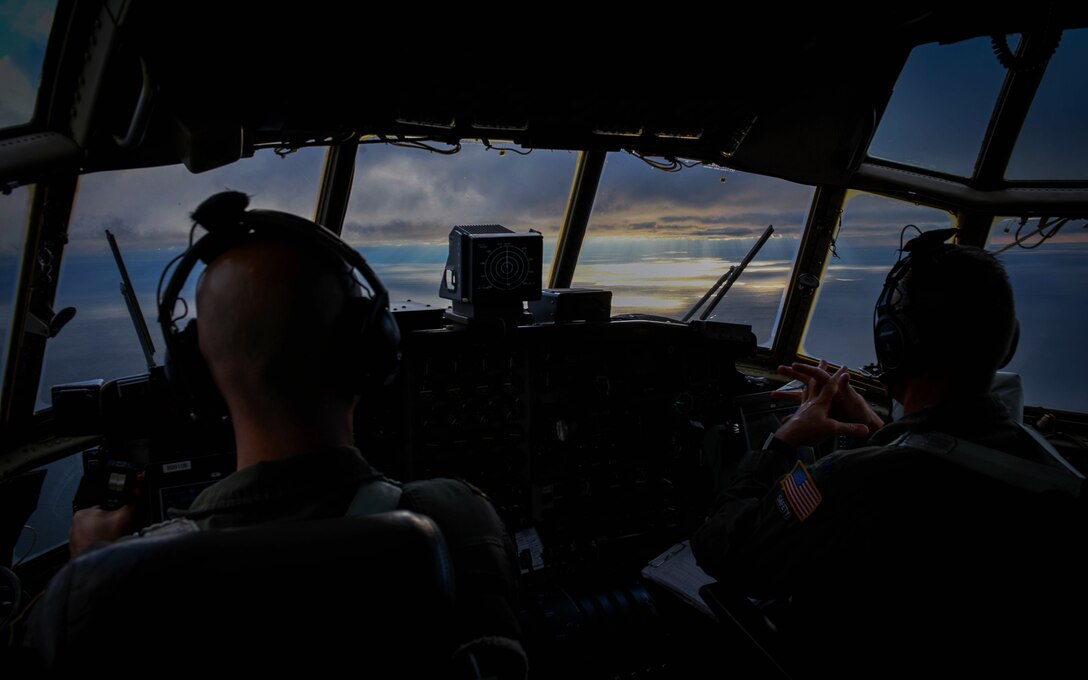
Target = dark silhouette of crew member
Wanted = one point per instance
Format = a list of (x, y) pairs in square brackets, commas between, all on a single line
[(943, 546), (278, 337)]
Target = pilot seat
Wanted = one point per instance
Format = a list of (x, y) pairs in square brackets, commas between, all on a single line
[(370, 595)]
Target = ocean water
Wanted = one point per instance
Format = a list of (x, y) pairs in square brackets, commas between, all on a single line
[(657, 276)]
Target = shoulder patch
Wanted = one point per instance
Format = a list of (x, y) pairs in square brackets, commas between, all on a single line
[(801, 492)]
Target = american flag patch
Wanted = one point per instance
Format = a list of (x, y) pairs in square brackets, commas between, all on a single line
[(801, 492)]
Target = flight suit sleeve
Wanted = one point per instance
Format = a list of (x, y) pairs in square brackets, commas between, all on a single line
[(769, 524)]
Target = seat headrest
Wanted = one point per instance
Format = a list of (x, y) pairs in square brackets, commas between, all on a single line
[(306, 595)]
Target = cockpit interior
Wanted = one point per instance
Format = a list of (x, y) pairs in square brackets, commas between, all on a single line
[(598, 251)]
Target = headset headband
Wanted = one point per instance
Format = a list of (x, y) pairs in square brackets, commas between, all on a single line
[(901, 341), (229, 224)]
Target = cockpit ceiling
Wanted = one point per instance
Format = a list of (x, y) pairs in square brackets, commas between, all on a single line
[(761, 92)]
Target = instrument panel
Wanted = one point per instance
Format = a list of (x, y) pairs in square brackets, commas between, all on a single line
[(589, 438), (587, 435)]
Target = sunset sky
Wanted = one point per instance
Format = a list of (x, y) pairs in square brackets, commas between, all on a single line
[(657, 240)]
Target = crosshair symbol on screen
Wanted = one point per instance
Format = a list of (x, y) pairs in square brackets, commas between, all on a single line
[(507, 267)]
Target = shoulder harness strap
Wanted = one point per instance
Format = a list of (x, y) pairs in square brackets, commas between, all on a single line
[(374, 495), (1049, 448), (999, 465)]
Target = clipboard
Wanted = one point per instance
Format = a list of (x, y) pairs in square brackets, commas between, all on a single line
[(676, 570)]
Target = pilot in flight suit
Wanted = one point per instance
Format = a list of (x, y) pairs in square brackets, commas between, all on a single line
[(289, 341), (904, 557)]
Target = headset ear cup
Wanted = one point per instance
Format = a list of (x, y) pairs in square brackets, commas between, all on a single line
[(889, 345), (188, 373), (178, 361), (899, 346), (373, 345), (385, 341)]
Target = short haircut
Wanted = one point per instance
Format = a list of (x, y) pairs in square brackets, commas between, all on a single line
[(276, 329), (961, 302)]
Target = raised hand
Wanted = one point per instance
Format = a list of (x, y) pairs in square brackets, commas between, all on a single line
[(849, 406), (813, 421)]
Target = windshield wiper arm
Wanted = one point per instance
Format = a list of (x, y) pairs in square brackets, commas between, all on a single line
[(728, 279), (133, 305), (708, 293)]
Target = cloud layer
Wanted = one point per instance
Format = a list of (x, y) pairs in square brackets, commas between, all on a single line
[(17, 100), (150, 207), (403, 195), (695, 202), (24, 30)]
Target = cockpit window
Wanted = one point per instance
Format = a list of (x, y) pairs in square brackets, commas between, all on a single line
[(24, 31), (13, 215), (659, 240), (1053, 144), (405, 201), (942, 103), (147, 210), (47, 527), (840, 328), (1047, 275)]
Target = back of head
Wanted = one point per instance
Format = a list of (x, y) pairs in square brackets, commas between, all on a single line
[(946, 309), (272, 325), (284, 327)]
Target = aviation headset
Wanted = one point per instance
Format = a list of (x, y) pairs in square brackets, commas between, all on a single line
[(901, 346), (366, 322)]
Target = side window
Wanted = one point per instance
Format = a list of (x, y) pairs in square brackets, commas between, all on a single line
[(1047, 276), (404, 203), (24, 30), (1053, 141), (48, 525), (660, 240), (14, 209), (148, 212), (960, 80), (840, 328)]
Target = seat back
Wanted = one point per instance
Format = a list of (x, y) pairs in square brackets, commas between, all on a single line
[(371, 594)]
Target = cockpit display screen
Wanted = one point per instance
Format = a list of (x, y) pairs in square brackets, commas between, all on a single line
[(489, 264)]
